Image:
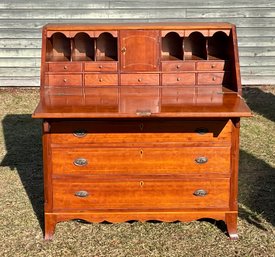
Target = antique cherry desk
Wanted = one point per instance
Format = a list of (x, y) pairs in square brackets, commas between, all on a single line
[(140, 122)]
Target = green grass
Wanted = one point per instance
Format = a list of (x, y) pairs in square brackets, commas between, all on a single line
[(21, 196)]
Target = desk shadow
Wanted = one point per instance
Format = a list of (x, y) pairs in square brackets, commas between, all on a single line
[(22, 139), (256, 190), (260, 102)]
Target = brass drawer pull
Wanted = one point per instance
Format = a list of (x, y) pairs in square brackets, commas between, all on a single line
[(80, 162), (81, 193), (201, 160), (143, 113), (80, 133), (200, 192), (201, 131)]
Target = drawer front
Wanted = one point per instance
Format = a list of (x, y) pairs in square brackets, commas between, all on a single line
[(177, 79), (101, 66), (141, 160), (139, 79), (178, 66), (64, 80), (211, 66), (138, 194), (142, 131), (211, 78), (65, 67), (101, 79)]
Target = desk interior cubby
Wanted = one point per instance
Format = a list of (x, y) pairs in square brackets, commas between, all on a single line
[(218, 46), (195, 46), (81, 47), (58, 48), (172, 47), (106, 47)]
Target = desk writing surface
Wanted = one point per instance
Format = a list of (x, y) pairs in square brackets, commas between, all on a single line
[(123, 102)]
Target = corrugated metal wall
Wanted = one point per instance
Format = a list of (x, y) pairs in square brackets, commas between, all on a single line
[(21, 22)]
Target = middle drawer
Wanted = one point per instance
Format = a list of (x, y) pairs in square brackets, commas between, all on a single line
[(146, 160)]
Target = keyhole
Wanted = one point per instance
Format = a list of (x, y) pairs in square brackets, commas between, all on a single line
[(141, 153), (141, 183), (141, 126)]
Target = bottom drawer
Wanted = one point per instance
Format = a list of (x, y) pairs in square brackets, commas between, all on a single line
[(141, 194)]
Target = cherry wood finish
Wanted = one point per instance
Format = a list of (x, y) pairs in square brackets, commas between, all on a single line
[(140, 122)]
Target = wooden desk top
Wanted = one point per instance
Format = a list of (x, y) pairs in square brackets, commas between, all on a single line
[(122, 102)]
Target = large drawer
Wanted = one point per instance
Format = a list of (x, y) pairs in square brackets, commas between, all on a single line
[(141, 160), (139, 194), (139, 131)]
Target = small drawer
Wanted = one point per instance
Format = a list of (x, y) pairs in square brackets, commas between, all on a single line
[(139, 193), (211, 65), (210, 78), (100, 66), (177, 79), (139, 79), (178, 66), (65, 67), (141, 160), (101, 79), (64, 80)]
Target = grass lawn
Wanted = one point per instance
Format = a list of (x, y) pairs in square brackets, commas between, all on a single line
[(21, 196)]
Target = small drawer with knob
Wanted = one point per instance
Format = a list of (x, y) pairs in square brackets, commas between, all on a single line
[(177, 66), (101, 79), (177, 79), (100, 66), (57, 80), (212, 78), (140, 193), (212, 65), (139, 79), (65, 67)]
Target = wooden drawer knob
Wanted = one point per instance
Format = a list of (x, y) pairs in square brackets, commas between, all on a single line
[(214, 78), (178, 66), (100, 80), (139, 79), (213, 66), (200, 192), (178, 79), (100, 66), (65, 80), (65, 67)]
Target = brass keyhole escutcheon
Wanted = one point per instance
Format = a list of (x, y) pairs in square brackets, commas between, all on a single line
[(141, 153), (141, 183), (123, 50)]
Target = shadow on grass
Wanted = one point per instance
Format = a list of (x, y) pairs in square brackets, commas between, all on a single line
[(257, 178), (22, 138), (260, 102), (256, 190)]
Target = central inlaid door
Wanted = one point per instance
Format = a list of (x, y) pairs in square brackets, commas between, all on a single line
[(139, 50)]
